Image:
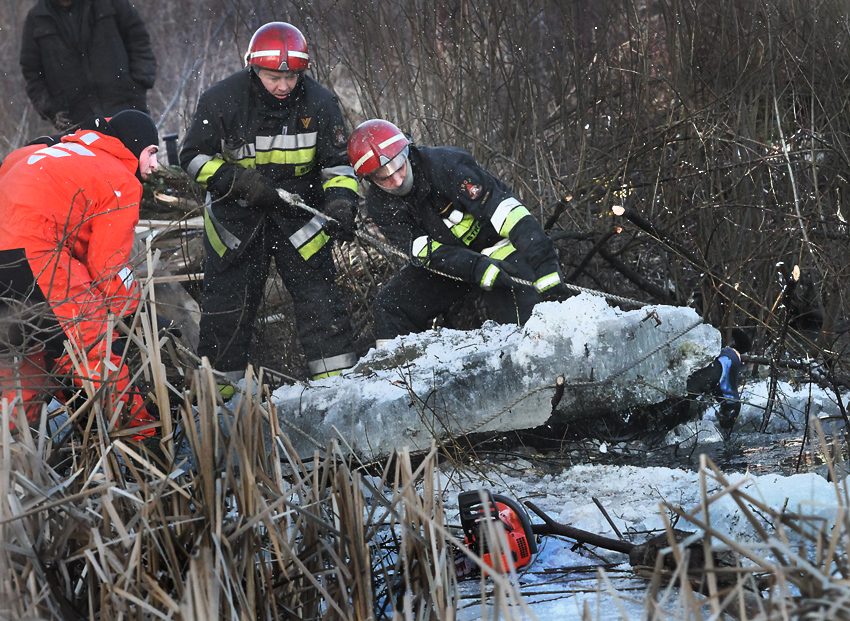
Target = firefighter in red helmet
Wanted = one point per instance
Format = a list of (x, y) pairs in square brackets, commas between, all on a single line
[(266, 127), (463, 229)]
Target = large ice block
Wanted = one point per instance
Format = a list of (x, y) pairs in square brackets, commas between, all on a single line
[(431, 385)]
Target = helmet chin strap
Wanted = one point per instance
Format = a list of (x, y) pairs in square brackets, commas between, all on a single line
[(406, 185)]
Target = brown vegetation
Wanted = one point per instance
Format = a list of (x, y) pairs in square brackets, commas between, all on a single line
[(724, 126), (221, 519)]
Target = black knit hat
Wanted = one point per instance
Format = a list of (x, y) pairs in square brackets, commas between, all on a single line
[(135, 129)]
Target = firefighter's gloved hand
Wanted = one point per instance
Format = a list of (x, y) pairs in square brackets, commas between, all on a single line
[(254, 188), (495, 274), (549, 281), (342, 227)]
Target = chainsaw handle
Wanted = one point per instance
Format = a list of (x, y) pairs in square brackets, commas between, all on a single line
[(551, 527)]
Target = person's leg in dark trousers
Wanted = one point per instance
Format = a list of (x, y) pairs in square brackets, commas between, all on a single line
[(232, 295), (412, 299), (321, 318), (30, 332)]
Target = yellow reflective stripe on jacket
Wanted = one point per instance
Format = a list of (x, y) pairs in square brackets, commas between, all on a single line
[(212, 235), (547, 282), (208, 170), (286, 142), (281, 142), (507, 214), (463, 226), (341, 182), (311, 248), (502, 250), (310, 238), (489, 277), (301, 156), (202, 167), (283, 149), (423, 246)]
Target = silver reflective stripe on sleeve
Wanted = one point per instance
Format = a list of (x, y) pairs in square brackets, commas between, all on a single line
[(334, 363), (307, 232), (126, 276), (502, 212), (502, 243), (337, 171), (197, 163), (419, 244), (489, 277), (227, 238), (547, 282)]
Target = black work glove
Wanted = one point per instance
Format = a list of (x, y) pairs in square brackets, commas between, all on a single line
[(62, 121), (254, 188), (496, 274), (549, 281), (342, 227)]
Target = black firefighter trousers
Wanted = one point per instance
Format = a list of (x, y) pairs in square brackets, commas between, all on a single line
[(233, 292), (414, 297)]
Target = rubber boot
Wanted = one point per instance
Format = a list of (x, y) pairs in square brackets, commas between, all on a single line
[(726, 391)]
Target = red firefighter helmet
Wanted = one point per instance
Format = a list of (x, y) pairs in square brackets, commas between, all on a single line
[(278, 46), (375, 144)]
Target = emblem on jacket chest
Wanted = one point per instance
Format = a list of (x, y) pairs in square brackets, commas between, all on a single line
[(472, 189)]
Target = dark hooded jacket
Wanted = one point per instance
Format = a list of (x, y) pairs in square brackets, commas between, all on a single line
[(456, 214), (94, 59)]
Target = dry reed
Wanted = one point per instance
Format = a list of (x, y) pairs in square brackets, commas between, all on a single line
[(218, 519), (795, 569)]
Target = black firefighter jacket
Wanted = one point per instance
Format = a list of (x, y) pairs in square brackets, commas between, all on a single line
[(299, 143), (95, 61), (456, 213)]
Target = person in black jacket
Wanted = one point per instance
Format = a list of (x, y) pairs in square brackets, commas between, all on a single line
[(86, 57), (462, 228), (266, 127)]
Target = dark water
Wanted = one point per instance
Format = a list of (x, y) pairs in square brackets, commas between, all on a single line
[(758, 454)]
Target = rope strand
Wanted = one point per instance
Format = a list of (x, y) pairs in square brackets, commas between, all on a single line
[(295, 201)]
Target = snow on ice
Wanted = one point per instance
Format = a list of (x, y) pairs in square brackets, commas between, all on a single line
[(396, 395), (633, 497), (500, 377)]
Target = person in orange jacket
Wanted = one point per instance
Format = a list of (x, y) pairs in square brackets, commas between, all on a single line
[(67, 218)]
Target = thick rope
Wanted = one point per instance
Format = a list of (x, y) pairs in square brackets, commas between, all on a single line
[(295, 201)]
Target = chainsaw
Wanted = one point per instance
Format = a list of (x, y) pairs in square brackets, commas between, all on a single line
[(479, 507)]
